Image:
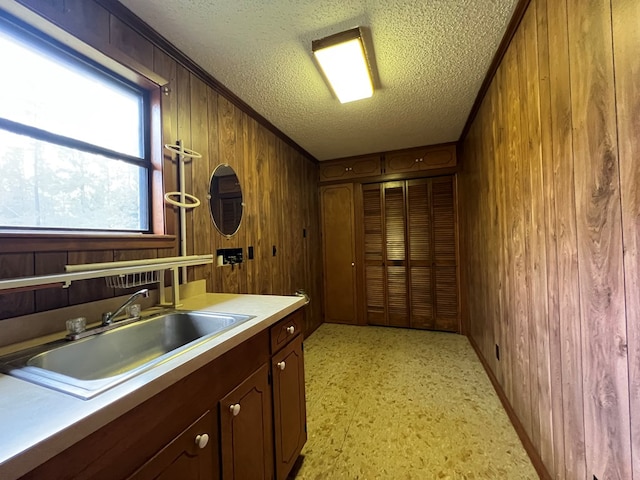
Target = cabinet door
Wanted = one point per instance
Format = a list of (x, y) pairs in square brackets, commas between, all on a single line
[(395, 254), (419, 159), (375, 278), (445, 256), (338, 245), (190, 456), (420, 233), (410, 255), (246, 429), (289, 409), (385, 254), (350, 168)]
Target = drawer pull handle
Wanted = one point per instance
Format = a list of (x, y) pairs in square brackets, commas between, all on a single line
[(281, 365), (291, 329), (202, 440), (235, 409)]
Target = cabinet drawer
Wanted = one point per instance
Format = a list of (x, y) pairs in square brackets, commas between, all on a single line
[(286, 329), (419, 159), (352, 168)]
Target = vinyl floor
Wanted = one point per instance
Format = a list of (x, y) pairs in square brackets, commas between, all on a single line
[(390, 403)]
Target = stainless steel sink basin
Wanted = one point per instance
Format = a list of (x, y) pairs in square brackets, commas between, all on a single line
[(89, 366)]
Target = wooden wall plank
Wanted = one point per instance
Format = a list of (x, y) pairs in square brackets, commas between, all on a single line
[(626, 45), (552, 444), (598, 221), (183, 134), (568, 282), (542, 435), (20, 303), (50, 298), (167, 67), (202, 225), (94, 289)]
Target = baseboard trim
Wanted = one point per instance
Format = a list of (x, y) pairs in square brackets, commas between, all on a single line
[(534, 456)]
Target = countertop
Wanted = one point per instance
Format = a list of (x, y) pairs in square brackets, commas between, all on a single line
[(37, 423)]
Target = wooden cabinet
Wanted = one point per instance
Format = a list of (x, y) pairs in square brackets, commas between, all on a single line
[(420, 159), (246, 429), (410, 259), (190, 456), (230, 399), (289, 406), (338, 245), (357, 167)]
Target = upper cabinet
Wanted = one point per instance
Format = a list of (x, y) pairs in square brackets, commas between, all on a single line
[(409, 163), (356, 167), (419, 159)]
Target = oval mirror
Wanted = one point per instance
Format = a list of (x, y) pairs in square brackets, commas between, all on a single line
[(225, 200)]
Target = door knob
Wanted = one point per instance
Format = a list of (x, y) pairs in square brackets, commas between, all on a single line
[(291, 329), (235, 409), (281, 365), (202, 440)]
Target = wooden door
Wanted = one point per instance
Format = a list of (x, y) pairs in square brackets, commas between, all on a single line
[(338, 245), (190, 456), (385, 269), (420, 253), (410, 254), (374, 268), (246, 429), (289, 408), (445, 254), (395, 254)]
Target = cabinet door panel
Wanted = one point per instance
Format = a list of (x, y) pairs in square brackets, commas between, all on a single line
[(446, 299), (397, 304), (444, 222), (350, 168), (376, 294), (419, 225), (421, 285), (247, 437), (402, 162), (374, 272), (394, 222), (290, 415), (183, 458)]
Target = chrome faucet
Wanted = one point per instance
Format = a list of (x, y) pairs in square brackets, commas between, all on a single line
[(108, 317)]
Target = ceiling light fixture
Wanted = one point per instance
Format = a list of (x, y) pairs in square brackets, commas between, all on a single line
[(343, 60)]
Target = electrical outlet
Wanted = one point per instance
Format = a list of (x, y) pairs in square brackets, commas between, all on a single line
[(497, 351)]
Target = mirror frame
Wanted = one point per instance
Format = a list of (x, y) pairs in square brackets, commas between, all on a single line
[(214, 198)]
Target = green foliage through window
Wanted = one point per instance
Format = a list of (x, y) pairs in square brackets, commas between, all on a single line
[(73, 152)]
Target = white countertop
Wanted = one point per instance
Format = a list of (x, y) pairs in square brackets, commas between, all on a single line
[(37, 423)]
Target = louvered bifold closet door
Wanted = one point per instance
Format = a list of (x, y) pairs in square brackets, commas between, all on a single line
[(375, 278), (395, 261), (445, 259), (419, 228)]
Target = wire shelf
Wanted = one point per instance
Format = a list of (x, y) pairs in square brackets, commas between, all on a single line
[(133, 279)]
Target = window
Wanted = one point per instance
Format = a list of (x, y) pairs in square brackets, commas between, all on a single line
[(74, 148)]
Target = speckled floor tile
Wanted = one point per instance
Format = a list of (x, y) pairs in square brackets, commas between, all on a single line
[(386, 403)]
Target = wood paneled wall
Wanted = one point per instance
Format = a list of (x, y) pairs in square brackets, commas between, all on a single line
[(549, 230), (280, 184)]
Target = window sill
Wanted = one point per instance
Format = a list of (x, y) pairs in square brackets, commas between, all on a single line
[(24, 242)]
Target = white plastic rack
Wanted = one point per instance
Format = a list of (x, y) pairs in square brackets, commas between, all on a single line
[(119, 274)]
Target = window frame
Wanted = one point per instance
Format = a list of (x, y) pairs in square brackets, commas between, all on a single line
[(124, 69)]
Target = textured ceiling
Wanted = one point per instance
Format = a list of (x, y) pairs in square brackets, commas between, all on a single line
[(431, 58)]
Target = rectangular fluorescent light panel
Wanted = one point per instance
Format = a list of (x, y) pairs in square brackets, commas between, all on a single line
[(345, 66)]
